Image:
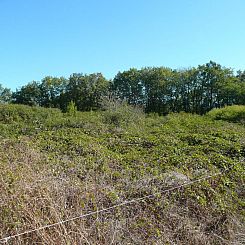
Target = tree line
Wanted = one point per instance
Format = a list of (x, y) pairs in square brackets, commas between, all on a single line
[(155, 89)]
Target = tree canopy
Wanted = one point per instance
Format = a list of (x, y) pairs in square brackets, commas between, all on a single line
[(5, 94), (155, 89)]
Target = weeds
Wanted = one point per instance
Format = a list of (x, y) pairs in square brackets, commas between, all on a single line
[(63, 166)]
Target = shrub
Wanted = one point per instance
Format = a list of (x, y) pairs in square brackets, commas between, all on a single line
[(10, 113), (76, 165), (235, 113), (119, 113), (71, 108)]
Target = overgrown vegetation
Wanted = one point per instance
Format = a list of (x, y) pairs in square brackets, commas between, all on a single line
[(59, 165), (234, 113)]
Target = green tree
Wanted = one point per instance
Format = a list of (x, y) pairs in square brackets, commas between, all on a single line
[(158, 83), (52, 92), (5, 94), (241, 81), (71, 108), (28, 95), (129, 86), (210, 82), (86, 90)]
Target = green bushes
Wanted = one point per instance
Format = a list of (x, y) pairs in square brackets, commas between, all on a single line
[(235, 113), (71, 109), (21, 113), (70, 165), (119, 113)]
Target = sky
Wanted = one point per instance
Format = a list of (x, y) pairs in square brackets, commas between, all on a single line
[(41, 38)]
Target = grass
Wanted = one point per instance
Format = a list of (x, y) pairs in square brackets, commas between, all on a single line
[(55, 166)]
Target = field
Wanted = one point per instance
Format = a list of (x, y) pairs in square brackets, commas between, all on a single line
[(55, 166)]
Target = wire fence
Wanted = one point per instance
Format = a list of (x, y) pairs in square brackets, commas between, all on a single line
[(125, 203)]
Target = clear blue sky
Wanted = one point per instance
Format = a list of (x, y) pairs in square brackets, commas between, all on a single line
[(60, 37)]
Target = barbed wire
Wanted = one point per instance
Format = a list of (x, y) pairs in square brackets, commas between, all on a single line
[(125, 203)]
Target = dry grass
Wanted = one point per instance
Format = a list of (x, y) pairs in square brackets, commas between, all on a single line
[(63, 166), (32, 196)]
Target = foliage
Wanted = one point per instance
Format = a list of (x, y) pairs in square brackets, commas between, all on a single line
[(159, 90), (195, 90), (71, 108), (26, 114), (5, 94), (28, 95), (87, 90), (52, 92), (119, 113), (235, 113), (54, 167)]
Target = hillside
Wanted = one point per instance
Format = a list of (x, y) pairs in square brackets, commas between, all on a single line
[(55, 166)]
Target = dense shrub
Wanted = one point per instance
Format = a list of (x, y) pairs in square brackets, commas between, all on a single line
[(71, 108), (235, 113), (74, 165), (119, 113), (22, 113)]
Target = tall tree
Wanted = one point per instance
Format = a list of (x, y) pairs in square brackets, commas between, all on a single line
[(5, 94), (28, 95), (158, 83), (128, 85), (52, 91), (86, 90), (211, 81)]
